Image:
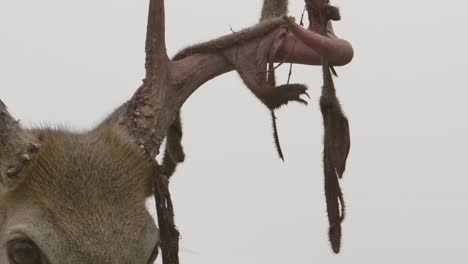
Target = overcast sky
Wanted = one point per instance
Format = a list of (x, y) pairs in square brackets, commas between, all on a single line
[(73, 62)]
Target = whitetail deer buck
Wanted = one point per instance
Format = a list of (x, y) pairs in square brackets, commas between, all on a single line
[(80, 197)]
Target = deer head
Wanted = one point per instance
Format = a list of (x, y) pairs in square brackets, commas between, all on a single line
[(80, 197), (73, 198)]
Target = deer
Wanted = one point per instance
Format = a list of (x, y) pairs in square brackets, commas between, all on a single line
[(79, 197)]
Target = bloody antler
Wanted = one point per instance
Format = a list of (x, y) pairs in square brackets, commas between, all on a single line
[(169, 83)]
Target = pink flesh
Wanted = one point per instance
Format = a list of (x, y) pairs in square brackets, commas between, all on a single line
[(308, 47)]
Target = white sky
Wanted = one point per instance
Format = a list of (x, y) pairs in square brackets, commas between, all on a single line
[(73, 62)]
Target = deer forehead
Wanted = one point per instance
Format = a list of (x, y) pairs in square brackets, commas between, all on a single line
[(84, 169), (87, 191)]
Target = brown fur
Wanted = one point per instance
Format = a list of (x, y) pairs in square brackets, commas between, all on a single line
[(272, 9), (233, 39), (88, 187), (95, 163), (337, 140), (174, 153)]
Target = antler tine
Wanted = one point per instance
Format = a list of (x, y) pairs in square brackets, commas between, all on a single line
[(146, 116), (155, 46)]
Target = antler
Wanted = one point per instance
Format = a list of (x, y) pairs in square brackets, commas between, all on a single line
[(169, 83), (16, 148)]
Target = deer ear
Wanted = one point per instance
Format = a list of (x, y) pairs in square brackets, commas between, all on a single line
[(17, 147)]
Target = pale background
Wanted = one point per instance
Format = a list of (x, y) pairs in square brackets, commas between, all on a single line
[(73, 62)]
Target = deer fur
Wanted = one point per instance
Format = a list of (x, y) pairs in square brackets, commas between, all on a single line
[(84, 196)]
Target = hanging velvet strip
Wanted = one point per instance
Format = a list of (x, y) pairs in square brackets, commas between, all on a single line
[(253, 60), (336, 150), (336, 135)]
